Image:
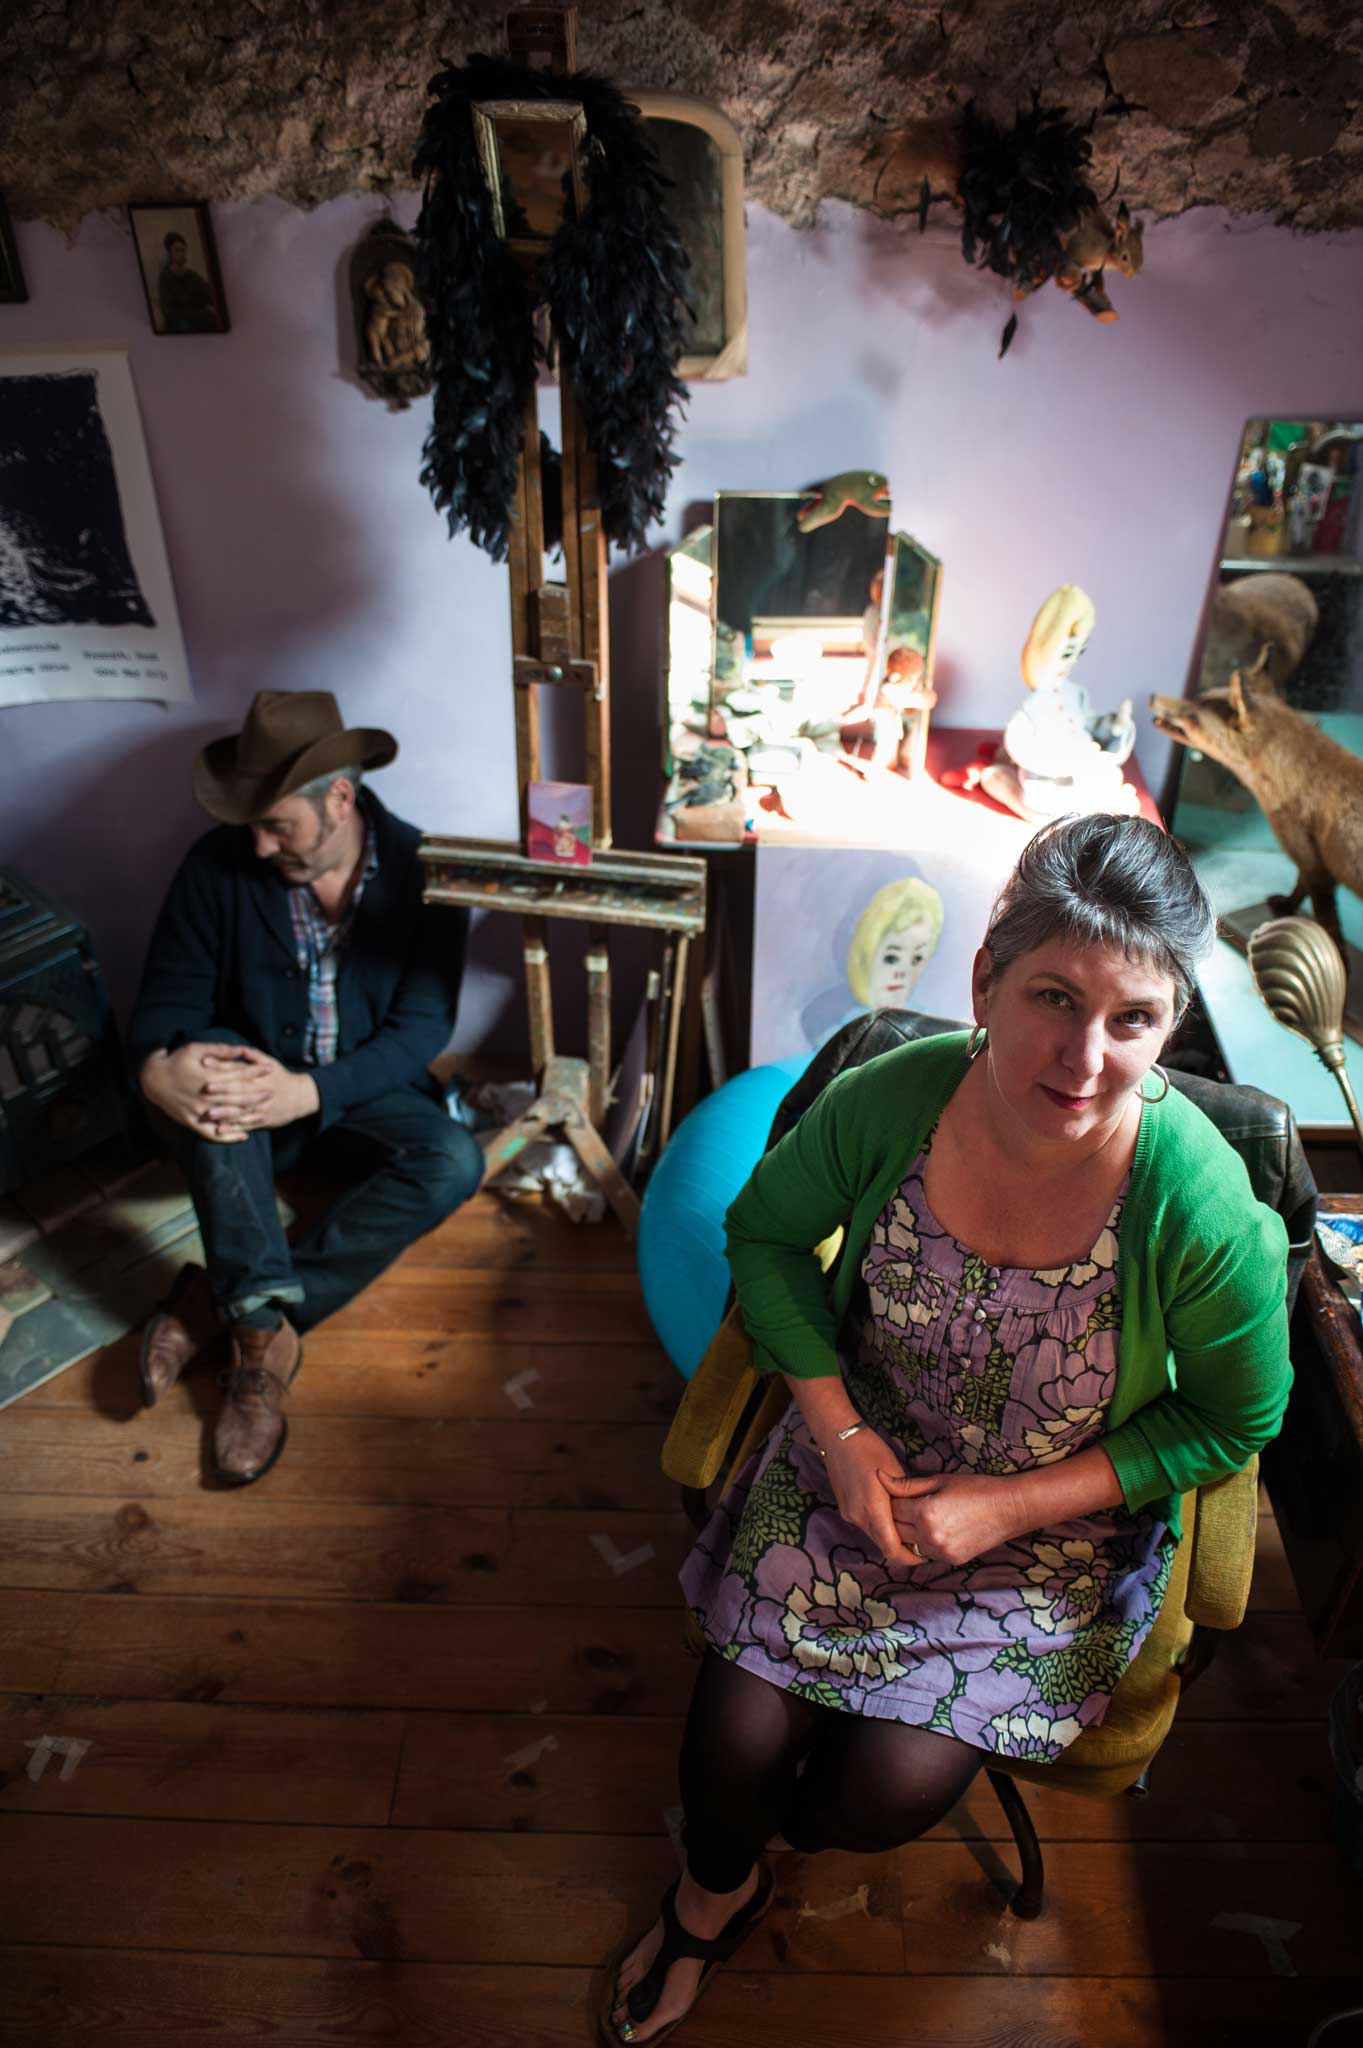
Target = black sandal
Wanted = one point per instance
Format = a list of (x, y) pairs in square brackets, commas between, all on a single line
[(676, 1946)]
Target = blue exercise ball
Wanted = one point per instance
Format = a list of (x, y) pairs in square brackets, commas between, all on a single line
[(682, 1266)]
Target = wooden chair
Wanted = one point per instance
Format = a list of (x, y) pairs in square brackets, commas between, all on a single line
[(729, 1407)]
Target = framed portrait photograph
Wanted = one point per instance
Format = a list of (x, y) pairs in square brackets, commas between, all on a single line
[(13, 290), (179, 266)]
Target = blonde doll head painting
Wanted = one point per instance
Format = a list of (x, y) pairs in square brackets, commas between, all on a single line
[(895, 937)]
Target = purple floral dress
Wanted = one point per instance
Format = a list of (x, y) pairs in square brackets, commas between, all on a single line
[(961, 1366)]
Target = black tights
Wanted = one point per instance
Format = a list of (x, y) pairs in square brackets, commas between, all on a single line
[(866, 1785)]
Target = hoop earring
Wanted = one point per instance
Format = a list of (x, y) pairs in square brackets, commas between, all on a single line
[(1156, 1069), (976, 1041)]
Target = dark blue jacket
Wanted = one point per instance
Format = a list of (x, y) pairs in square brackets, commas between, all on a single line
[(222, 953)]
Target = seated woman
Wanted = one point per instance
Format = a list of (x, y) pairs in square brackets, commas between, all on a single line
[(959, 1535)]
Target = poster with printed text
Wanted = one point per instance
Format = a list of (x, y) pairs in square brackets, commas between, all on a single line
[(86, 603)]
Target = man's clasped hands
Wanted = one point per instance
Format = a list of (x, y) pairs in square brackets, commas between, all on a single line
[(224, 1092)]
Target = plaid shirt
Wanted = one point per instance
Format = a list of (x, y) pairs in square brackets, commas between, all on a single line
[(319, 945)]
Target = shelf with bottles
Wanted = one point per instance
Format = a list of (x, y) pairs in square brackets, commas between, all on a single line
[(1293, 565)]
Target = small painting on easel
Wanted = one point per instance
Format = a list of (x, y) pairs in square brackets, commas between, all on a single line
[(560, 823)]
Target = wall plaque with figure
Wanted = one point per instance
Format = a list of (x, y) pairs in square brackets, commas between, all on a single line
[(393, 349)]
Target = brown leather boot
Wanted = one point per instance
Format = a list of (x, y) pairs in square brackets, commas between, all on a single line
[(251, 1429), (177, 1333)]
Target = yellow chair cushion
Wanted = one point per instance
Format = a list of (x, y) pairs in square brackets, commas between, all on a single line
[(1223, 1549), (700, 1442), (1106, 1759), (1208, 1587)]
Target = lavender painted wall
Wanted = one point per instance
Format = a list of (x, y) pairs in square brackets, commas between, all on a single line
[(305, 552)]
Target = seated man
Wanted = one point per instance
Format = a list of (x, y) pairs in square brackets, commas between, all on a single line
[(295, 986)]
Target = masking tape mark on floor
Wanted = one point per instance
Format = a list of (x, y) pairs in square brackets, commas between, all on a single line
[(1274, 1934), (840, 1909), (70, 1748), (674, 1820), (621, 1561), (521, 1759)]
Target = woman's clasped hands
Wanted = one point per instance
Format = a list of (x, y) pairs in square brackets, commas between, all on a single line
[(951, 1517), (857, 1466), (944, 1518)]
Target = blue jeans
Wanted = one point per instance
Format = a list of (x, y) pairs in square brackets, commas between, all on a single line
[(414, 1163)]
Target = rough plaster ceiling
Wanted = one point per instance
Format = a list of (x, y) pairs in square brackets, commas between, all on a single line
[(1247, 104)]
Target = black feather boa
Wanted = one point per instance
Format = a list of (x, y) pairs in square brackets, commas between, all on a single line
[(614, 285), (1023, 189)]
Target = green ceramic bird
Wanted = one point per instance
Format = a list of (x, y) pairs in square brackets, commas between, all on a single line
[(824, 503)]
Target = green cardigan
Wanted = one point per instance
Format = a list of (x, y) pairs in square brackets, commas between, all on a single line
[(1203, 1371)]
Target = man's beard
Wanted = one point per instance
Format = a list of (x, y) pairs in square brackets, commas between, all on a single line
[(297, 869)]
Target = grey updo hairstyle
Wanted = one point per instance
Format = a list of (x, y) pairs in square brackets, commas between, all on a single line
[(1105, 881)]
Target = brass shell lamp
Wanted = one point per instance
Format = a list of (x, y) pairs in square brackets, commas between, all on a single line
[(1298, 971)]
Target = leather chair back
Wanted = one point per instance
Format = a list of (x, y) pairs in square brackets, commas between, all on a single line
[(1262, 1129)]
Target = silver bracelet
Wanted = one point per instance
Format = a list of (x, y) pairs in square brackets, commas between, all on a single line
[(842, 1435)]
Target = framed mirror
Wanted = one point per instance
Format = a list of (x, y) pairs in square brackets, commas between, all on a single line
[(531, 153), (770, 578), (1287, 604), (915, 589), (701, 152), (772, 633), (797, 619), (1286, 613), (907, 655), (690, 636)]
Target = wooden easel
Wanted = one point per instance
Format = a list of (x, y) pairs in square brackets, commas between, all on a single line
[(663, 893), (560, 640)]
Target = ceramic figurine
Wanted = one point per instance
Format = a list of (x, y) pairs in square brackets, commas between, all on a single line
[(393, 350), (864, 488), (1057, 755), (888, 728), (395, 332)]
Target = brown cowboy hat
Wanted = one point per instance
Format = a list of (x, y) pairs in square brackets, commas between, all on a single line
[(290, 737)]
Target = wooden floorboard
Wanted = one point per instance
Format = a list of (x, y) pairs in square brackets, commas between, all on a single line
[(182, 1761), (419, 1377), (35, 1632), (556, 1773), (66, 1997), (218, 1545), (386, 1747), (1213, 1781), (521, 1306), (576, 1659), (440, 1895), (512, 1461)]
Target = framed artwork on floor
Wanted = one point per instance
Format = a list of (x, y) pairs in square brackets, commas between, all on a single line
[(842, 930)]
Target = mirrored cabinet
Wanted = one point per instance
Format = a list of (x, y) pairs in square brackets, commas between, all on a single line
[(1280, 657)]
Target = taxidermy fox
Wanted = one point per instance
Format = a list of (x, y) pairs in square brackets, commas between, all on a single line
[(1308, 786)]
